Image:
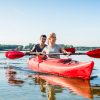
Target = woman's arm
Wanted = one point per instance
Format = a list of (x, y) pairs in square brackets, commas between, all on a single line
[(65, 52)]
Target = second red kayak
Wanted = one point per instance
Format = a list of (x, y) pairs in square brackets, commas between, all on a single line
[(62, 67)]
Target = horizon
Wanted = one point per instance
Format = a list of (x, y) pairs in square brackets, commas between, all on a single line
[(59, 44), (76, 22)]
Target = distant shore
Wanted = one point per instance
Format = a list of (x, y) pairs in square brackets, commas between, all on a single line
[(30, 46)]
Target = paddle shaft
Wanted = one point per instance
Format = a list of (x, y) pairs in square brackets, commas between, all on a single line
[(45, 54), (79, 54), (55, 54)]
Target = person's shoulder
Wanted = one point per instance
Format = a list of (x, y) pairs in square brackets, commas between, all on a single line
[(57, 46), (46, 45), (36, 45)]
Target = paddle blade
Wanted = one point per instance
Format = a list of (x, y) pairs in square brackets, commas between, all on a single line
[(72, 50), (94, 53), (14, 54)]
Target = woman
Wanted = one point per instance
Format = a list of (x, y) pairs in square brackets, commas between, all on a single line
[(53, 47)]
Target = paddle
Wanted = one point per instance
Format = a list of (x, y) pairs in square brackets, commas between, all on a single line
[(92, 53), (18, 54)]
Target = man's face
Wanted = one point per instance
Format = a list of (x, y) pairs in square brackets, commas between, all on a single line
[(43, 39)]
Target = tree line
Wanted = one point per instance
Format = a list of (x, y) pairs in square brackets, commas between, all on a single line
[(30, 46)]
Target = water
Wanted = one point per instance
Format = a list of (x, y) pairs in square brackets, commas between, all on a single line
[(24, 84)]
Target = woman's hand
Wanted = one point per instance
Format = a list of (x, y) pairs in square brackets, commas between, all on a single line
[(67, 53)]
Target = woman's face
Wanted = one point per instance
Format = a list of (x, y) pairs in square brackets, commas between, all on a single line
[(53, 39)]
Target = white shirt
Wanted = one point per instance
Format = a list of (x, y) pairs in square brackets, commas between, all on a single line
[(55, 49)]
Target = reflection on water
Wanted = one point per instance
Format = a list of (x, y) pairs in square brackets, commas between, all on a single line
[(44, 87), (96, 90), (42, 84), (11, 77), (54, 84), (51, 93), (51, 85), (17, 79), (77, 86)]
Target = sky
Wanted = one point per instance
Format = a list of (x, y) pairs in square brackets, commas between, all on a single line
[(75, 22)]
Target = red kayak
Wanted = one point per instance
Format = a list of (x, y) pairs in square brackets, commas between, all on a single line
[(62, 67), (78, 86)]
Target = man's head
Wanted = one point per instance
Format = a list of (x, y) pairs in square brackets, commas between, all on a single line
[(43, 38)]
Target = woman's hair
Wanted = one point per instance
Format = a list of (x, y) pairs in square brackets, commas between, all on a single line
[(50, 36)]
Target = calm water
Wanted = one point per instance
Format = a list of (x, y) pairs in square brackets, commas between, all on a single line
[(23, 84)]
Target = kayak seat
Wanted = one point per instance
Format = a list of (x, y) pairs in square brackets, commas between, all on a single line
[(64, 61), (73, 62), (68, 61)]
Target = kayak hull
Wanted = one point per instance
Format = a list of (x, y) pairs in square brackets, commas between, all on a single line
[(62, 67)]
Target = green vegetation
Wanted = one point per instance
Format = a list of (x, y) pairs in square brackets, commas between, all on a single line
[(84, 48), (9, 47), (30, 46), (16, 47)]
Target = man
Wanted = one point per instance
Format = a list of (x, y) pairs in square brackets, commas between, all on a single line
[(40, 46)]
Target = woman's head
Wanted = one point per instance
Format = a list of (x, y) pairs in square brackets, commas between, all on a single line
[(51, 38)]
